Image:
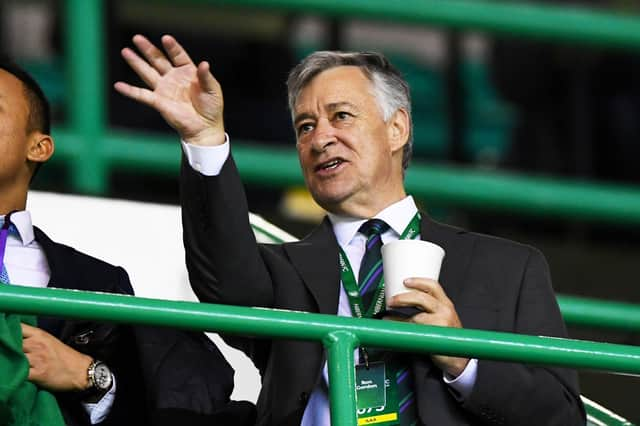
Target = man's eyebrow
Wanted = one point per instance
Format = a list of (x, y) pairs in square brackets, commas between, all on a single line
[(330, 107), (302, 116), (337, 105)]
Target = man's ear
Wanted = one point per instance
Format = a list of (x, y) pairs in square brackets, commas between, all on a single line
[(41, 148), (398, 129)]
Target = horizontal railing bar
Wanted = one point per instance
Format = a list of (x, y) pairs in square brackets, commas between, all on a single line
[(552, 22), (582, 311), (454, 186), (308, 326)]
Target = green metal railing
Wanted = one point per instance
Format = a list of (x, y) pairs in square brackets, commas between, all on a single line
[(339, 335), (93, 149)]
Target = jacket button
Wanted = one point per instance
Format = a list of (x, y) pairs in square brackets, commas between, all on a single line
[(303, 398)]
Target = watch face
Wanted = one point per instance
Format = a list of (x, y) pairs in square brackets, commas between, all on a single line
[(102, 376)]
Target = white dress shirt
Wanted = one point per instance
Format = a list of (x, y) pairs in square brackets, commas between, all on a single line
[(209, 162), (27, 265)]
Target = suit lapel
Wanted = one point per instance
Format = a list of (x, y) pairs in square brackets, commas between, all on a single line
[(316, 260), (58, 263), (457, 253), (58, 266)]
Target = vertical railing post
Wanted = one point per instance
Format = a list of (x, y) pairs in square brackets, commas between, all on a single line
[(86, 108), (342, 382)]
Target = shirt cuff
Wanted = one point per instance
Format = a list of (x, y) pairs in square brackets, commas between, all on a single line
[(99, 411), (462, 385), (207, 160)]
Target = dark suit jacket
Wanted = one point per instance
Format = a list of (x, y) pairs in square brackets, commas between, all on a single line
[(162, 375), (495, 285)]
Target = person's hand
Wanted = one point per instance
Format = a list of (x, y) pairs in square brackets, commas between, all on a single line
[(187, 96), (52, 364), (437, 309)]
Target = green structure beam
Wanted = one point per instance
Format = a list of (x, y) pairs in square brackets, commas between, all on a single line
[(86, 78), (580, 311), (514, 18), (444, 185)]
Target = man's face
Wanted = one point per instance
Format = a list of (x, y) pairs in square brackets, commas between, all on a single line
[(14, 116), (350, 162)]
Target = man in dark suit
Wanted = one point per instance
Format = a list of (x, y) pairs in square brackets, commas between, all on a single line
[(99, 373), (352, 118)]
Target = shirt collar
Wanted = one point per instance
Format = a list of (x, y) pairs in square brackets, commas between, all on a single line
[(22, 221), (397, 215)]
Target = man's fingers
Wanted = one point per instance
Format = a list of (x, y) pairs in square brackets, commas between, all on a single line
[(152, 54), (27, 330), (205, 78), (422, 300), (428, 286), (176, 53), (30, 342), (139, 94), (147, 73)]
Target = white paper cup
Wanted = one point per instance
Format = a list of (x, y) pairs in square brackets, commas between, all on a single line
[(404, 259)]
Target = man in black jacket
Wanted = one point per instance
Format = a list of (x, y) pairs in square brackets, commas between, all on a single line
[(100, 373)]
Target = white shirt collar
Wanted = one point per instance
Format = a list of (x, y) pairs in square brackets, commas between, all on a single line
[(22, 221), (397, 216)]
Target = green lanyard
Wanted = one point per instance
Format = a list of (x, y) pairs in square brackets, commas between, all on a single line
[(351, 286)]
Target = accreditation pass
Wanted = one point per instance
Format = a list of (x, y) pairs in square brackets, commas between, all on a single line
[(375, 396)]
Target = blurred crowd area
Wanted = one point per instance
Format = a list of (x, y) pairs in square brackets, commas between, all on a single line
[(534, 107)]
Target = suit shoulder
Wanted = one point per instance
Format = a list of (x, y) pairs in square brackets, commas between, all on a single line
[(80, 270), (500, 243), (493, 244), (87, 260)]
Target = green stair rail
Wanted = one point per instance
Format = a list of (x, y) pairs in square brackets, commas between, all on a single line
[(597, 415), (93, 150), (340, 335)]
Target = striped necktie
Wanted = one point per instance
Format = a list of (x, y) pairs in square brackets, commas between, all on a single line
[(370, 275), (4, 276), (5, 230), (369, 278)]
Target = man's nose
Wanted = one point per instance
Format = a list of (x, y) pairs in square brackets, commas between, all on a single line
[(324, 135)]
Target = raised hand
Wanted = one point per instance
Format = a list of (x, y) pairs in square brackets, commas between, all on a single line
[(187, 96)]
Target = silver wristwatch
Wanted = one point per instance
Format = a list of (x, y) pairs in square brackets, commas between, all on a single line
[(99, 376)]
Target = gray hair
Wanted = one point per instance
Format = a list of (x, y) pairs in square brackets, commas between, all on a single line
[(389, 87)]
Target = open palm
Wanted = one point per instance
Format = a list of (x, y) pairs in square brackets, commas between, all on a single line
[(188, 97)]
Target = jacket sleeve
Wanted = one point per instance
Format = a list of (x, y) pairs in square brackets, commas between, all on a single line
[(510, 393), (223, 259)]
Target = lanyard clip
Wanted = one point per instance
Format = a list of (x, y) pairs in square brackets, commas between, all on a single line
[(365, 355)]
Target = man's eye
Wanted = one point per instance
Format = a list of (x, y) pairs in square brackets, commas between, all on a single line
[(342, 115), (305, 128)]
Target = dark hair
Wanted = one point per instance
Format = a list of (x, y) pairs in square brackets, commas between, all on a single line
[(389, 87), (39, 114), (39, 110)]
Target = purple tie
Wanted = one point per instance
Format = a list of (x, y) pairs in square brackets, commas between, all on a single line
[(7, 228)]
